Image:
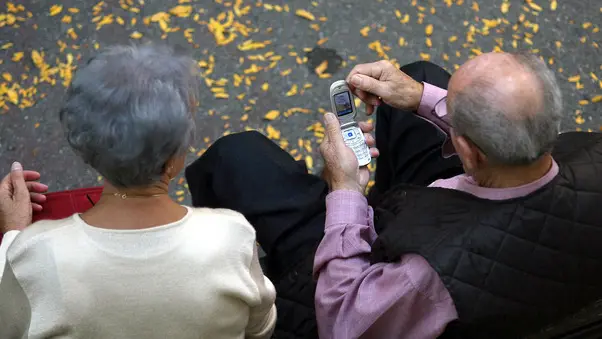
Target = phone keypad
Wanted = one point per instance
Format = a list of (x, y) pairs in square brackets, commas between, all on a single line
[(354, 139)]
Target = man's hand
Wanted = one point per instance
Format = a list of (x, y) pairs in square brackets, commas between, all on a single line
[(20, 194), (382, 81), (342, 171)]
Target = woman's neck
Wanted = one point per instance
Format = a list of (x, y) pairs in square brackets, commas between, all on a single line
[(134, 208)]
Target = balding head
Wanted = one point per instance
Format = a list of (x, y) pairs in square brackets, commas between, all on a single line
[(509, 105)]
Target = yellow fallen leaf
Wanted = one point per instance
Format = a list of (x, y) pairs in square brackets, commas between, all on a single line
[(55, 9), (321, 41), (553, 5), (292, 91), (583, 102), (452, 38), (429, 43), (579, 120), (305, 14), (535, 6), (13, 97), (425, 56), (271, 115), (402, 41), (221, 95), (7, 76), (66, 19), (428, 30), (505, 7), (321, 67), (364, 31), (272, 132), (405, 19), (37, 59), (181, 11), (309, 162), (265, 86), (136, 35), (597, 99), (73, 10), (574, 78), (17, 56)]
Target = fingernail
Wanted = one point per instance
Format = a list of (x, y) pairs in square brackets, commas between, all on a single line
[(356, 80), (329, 117), (16, 166)]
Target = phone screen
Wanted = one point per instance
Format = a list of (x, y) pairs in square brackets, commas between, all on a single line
[(342, 103)]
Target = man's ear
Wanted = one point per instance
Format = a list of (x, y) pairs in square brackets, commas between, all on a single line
[(468, 152)]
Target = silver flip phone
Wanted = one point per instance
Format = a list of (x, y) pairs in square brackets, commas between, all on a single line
[(343, 106)]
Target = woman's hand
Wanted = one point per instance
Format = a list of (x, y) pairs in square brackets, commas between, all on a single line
[(20, 195), (341, 169)]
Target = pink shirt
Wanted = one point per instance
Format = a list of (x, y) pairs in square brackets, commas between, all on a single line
[(405, 299)]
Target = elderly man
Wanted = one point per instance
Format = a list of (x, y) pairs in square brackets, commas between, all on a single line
[(485, 226)]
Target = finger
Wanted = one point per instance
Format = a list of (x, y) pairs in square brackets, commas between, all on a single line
[(333, 129), (37, 198), (20, 191), (369, 140), (36, 207), (373, 70), (374, 152), (369, 110), (5, 184), (31, 175), (36, 187), (368, 98), (366, 126), (370, 85)]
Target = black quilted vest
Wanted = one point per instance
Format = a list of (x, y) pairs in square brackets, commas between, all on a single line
[(512, 266)]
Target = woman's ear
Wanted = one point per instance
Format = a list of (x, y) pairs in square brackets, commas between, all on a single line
[(174, 166)]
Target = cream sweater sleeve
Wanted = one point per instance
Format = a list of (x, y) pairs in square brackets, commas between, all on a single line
[(7, 239), (262, 318)]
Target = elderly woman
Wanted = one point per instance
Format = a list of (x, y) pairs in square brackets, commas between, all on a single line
[(136, 265)]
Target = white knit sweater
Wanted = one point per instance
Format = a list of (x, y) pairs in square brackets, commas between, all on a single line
[(195, 278)]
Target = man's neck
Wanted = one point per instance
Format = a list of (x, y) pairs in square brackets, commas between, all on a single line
[(514, 176)]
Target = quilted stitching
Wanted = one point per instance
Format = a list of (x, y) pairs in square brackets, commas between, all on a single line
[(472, 271)]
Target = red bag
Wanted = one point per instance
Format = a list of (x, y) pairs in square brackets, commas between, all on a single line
[(60, 205)]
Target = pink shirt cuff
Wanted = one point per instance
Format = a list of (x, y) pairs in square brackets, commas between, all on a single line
[(346, 207), (433, 108), (430, 97)]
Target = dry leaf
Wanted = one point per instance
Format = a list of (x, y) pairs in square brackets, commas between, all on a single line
[(305, 14), (321, 67), (271, 115), (364, 31), (55, 9), (182, 11), (428, 30), (136, 35)]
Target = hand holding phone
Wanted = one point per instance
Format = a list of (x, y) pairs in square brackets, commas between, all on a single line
[(343, 106)]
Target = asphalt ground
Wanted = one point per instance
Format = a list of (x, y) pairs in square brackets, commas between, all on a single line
[(268, 65)]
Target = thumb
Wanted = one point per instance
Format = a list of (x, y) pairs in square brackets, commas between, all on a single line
[(333, 128), (369, 84), (17, 179)]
